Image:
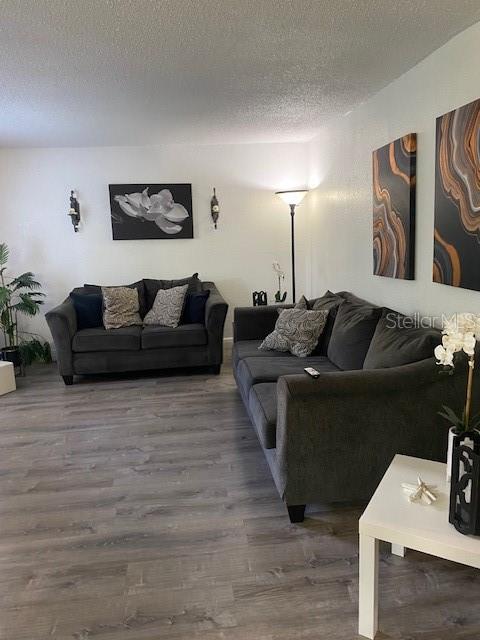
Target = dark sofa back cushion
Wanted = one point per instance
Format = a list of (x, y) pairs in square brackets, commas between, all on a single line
[(89, 309), (139, 286), (328, 302), (397, 341), (153, 286), (352, 333)]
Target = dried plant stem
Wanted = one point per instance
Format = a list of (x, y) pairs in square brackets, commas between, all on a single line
[(468, 401)]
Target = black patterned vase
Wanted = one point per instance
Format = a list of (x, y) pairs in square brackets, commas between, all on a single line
[(465, 483)]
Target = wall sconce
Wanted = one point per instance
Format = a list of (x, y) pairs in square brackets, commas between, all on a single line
[(214, 208), (74, 212)]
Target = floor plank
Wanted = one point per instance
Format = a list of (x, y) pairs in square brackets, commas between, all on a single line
[(141, 508)]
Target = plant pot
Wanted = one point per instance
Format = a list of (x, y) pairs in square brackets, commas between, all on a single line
[(452, 432), (465, 483), (12, 354)]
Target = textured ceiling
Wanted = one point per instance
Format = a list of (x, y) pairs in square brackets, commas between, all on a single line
[(135, 72)]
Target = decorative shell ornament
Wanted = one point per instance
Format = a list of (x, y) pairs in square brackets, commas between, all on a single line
[(420, 492)]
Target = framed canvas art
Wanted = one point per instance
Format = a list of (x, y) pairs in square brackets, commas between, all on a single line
[(456, 258), (394, 182), (151, 211)]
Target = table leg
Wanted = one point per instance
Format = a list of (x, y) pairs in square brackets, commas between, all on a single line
[(368, 587), (398, 550)]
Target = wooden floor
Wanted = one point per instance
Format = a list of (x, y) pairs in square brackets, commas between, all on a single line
[(142, 508)]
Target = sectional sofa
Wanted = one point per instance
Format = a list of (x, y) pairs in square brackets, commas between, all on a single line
[(331, 439)]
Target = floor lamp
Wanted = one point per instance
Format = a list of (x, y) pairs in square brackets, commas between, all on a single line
[(292, 198)]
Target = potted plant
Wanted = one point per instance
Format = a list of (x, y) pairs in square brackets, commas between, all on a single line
[(279, 297), (460, 334), (18, 295)]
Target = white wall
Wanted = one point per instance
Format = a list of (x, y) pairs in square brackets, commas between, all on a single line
[(340, 209), (253, 228)]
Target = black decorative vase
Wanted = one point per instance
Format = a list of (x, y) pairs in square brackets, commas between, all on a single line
[(259, 298), (465, 483)]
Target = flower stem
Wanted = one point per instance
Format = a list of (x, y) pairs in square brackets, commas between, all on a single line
[(468, 401)]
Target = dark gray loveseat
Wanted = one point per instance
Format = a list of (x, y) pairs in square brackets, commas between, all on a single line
[(136, 348), (331, 439)]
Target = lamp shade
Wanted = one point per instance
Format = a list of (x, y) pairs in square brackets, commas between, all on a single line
[(292, 197)]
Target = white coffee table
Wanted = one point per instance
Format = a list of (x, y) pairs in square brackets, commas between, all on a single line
[(392, 518)]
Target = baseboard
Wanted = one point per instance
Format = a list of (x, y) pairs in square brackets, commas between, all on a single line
[(227, 349)]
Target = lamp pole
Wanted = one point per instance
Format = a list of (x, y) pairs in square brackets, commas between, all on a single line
[(292, 216), (292, 198)]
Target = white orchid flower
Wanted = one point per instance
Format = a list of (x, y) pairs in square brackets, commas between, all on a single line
[(453, 341), (444, 356), (278, 269), (469, 343)]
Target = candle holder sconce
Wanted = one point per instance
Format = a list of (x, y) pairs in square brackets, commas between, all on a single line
[(74, 211), (214, 208)]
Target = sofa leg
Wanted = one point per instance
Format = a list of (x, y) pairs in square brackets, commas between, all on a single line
[(296, 512), (216, 369), (68, 380)]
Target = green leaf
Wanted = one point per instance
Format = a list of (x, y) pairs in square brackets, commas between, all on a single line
[(452, 417), (26, 305), (25, 281)]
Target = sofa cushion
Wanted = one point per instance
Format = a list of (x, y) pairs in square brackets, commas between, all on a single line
[(186, 335), (262, 402), (397, 341), (352, 333), (139, 286), (252, 371), (100, 339), (249, 349), (152, 287)]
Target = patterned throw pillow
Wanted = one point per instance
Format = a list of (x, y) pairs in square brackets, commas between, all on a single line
[(167, 308), (297, 331), (120, 307)]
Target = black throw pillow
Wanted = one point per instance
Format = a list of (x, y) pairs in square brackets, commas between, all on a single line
[(194, 309), (88, 308)]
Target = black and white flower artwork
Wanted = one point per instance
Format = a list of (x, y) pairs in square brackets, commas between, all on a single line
[(151, 211)]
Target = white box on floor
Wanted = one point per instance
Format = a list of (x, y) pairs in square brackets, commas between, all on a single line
[(7, 378)]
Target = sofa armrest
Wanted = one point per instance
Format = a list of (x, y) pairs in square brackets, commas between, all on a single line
[(336, 435), (215, 314), (62, 321), (255, 323), (363, 381)]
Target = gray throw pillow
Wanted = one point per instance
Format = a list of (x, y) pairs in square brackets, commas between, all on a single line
[(120, 307), (167, 308), (297, 331)]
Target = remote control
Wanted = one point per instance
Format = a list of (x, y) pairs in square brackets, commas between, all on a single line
[(312, 372)]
